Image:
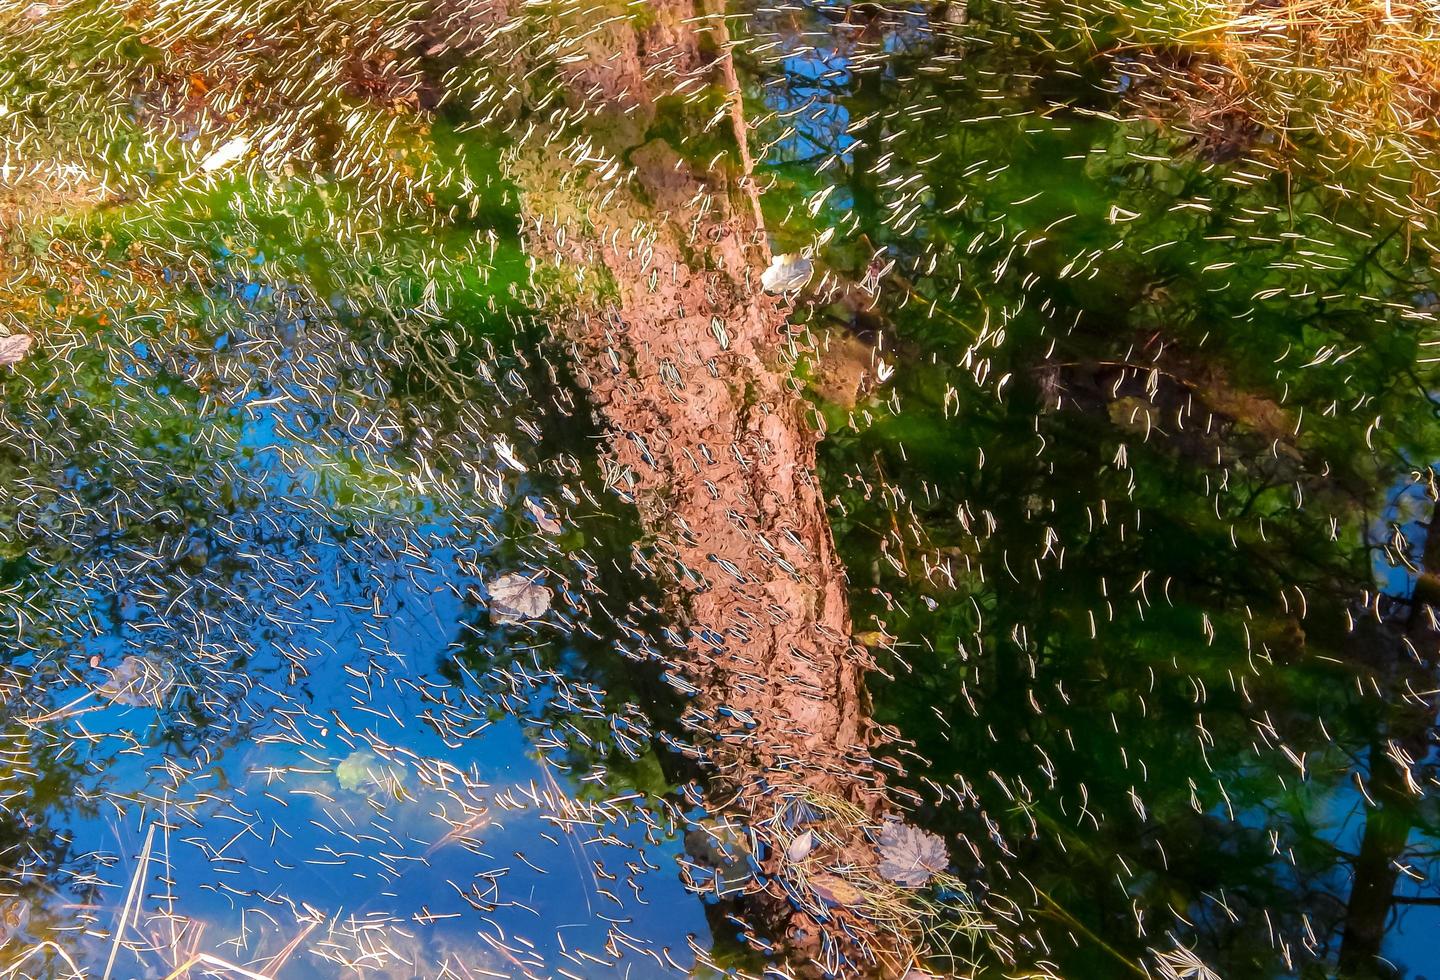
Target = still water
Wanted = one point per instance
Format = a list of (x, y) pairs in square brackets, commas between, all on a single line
[(1127, 446)]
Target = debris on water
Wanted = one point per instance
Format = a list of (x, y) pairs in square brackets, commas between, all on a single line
[(787, 273), (836, 891), (14, 916), (137, 682), (800, 847), (798, 812), (273, 448), (1181, 963), (516, 598), (226, 154), (357, 770), (14, 348), (909, 856), (506, 452), (542, 517)]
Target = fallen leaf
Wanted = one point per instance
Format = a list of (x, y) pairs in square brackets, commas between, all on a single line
[(800, 847), (909, 856), (14, 916), (137, 682), (547, 523), (514, 598), (14, 348), (836, 891), (226, 153), (787, 273), (366, 773), (356, 770)]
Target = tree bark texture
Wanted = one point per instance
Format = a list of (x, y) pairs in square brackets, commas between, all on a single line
[(653, 252)]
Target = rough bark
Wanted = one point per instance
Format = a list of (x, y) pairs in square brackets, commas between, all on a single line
[(682, 354), (1372, 890), (1391, 800)]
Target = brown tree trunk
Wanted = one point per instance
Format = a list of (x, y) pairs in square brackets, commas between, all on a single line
[(1390, 807), (1372, 889), (682, 353)]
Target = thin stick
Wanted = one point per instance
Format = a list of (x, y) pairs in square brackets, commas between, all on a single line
[(211, 960), (58, 712), (278, 960), (75, 971), (130, 896)]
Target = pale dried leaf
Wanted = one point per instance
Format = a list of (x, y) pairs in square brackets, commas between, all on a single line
[(14, 348), (137, 682), (542, 517), (800, 847), (515, 598), (225, 154), (909, 856), (787, 273)]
